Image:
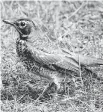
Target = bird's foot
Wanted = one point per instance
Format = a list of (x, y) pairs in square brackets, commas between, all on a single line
[(45, 89)]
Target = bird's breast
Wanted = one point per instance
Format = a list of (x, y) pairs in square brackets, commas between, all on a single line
[(26, 56), (20, 47)]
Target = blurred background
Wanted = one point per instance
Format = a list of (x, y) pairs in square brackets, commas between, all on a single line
[(74, 25)]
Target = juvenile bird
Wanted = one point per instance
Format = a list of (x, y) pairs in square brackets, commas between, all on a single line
[(51, 66)]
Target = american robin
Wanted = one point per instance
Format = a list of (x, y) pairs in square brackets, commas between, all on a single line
[(52, 66)]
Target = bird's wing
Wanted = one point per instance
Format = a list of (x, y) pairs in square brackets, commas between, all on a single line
[(53, 60), (58, 60)]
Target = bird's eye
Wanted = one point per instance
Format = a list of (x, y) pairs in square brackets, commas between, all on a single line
[(22, 23)]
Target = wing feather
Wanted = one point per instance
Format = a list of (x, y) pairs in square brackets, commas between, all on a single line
[(59, 60)]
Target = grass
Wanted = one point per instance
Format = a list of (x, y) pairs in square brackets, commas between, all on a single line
[(76, 26)]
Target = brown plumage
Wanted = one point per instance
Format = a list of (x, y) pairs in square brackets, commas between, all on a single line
[(51, 66)]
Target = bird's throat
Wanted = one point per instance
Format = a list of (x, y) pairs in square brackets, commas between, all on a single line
[(24, 37)]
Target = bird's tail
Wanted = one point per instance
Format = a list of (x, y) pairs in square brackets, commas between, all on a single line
[(83, 60)]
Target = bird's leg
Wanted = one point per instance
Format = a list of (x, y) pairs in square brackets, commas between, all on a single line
[(65, 82), (40, 76), (57, 81), (43, 91)]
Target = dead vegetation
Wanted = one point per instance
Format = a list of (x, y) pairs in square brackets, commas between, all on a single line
[(74, 25)]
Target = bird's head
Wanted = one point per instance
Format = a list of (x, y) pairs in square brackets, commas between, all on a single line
[(24, 27)]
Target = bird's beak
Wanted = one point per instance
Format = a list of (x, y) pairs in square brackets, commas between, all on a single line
[(12, 23), (8, 22)]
